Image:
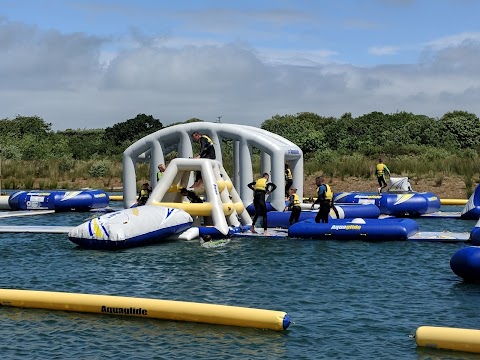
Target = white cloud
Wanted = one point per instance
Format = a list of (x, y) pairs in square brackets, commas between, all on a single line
[(80, 81)]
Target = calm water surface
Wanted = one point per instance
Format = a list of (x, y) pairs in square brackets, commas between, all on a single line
[(348, 300)]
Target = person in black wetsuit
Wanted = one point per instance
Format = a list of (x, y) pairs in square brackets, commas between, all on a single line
[(144, 194), (207, 151), (293, 206), (261, 188)]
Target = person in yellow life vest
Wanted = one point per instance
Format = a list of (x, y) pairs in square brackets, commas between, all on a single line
[(325, 199), (261, 188), (288, 180), (207, 151), (380, 171), (293, 206), (144, 194), (161, 170)]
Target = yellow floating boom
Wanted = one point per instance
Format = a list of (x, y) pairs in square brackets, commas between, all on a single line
[(448, 338), (148, 308), (453, 201)]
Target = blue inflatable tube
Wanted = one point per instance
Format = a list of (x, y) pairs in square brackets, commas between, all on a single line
[(280, 219), (216, 234), (82, 200), (466, 263), (397, 204), (251, 208), (356, 229)]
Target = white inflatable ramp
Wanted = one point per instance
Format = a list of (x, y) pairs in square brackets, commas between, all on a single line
[(36, 229), (440, 236), (7, 214)]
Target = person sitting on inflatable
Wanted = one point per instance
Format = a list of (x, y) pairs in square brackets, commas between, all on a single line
[(144, 194), (190, 195)]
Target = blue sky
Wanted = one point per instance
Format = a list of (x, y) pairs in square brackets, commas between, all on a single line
[(91, 64)]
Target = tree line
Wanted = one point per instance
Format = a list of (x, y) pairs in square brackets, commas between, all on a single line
[(370, 135)]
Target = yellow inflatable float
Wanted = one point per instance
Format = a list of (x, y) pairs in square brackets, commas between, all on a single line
[(148, 308), (448, 338)]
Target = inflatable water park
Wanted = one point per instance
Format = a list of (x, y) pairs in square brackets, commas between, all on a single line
[(227, 206), (225, 212)]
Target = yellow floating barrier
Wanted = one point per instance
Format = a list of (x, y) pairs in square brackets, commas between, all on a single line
[(448, 338), (147, 308), (453, 201)]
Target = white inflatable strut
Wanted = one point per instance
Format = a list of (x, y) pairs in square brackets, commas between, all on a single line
[(222, 203)]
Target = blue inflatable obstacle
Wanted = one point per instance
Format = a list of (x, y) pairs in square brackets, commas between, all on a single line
[(59, 200), (471, 211), (396, 204), (466, 263), (280, 219), (355, 229), (399, 200), (475, 234), (142, 225)]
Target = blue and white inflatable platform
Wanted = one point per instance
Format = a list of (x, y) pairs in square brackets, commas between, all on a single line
[(59, 200), (398, 201), (142, 225)]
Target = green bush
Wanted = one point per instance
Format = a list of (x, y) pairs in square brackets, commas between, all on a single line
[(99, 169)]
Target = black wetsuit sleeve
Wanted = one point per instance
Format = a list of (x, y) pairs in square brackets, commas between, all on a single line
[(251, 185)]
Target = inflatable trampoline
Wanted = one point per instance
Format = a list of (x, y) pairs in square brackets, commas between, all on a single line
[(355, 229), (398, 201), (466, 263), (59, 200), (142, 225)]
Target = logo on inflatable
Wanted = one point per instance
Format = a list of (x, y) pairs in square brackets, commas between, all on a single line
[(346, 227)]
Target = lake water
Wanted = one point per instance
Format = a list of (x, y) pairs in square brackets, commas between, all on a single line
[(348, 300)]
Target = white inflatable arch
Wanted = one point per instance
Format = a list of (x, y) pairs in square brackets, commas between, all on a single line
[(275, 152)]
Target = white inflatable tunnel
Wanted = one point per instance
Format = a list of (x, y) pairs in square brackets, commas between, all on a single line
[(275, 152)]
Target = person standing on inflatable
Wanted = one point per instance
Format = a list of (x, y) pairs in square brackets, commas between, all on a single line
[(294, 206), (288, 180), (325, 199), (207, 151), (380, 172), (261, 188)]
